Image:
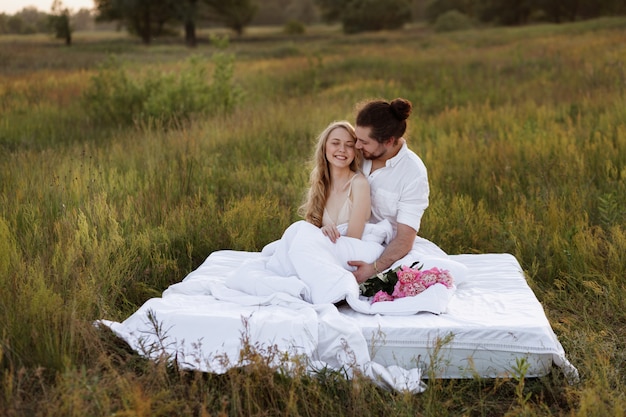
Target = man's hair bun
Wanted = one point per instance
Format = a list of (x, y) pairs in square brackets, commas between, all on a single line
[(401, 108)]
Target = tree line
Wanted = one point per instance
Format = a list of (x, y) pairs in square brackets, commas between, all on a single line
[(519, 12), (30, 20), (149, 19)]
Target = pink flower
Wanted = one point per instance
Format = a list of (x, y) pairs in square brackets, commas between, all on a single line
[(430, 277), (407, 274), (408, 289), (412, 281), (416, 288), (381, 296), (445, 278), (398, 290)]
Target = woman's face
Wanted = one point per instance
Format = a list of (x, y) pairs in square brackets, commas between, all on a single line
[(340, 148)]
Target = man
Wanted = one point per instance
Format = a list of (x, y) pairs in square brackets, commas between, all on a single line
[(399, 184)]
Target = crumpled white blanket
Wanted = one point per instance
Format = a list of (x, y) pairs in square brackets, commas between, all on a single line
[(279, 299), (321, 273), (202, 324)]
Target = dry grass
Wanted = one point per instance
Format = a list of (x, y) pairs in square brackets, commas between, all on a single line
[(523, 133)]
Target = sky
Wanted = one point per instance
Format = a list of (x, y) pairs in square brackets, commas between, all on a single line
[(12, 6)]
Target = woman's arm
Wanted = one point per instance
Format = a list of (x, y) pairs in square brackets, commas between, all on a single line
[(361, 207)]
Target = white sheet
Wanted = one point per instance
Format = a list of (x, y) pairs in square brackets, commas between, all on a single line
[(493, 316), (307, 264), (202, 322), (493, 320)]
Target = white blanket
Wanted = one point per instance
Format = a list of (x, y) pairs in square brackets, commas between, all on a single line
[(203, 324), (306, 264), (278, 300)]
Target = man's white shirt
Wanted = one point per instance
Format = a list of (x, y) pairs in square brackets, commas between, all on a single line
[(399, 189)]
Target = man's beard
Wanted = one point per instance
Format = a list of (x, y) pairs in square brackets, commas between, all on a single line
[(372, 156)]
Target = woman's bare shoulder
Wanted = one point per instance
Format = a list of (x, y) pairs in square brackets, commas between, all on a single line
[(360, 182)]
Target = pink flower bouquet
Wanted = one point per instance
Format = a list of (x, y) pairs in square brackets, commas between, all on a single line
[(403, 282)]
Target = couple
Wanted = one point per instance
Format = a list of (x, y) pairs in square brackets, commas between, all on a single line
[(367, 195)]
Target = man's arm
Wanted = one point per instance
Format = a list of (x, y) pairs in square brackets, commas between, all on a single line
[(397, 249)]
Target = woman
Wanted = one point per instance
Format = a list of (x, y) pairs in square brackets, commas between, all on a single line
[(338, 192), (335, 227)]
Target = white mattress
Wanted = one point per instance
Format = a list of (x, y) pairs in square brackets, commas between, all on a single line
[(493, 320)]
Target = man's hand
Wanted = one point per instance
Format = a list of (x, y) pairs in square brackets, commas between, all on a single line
[(397, 249), (364, 271)]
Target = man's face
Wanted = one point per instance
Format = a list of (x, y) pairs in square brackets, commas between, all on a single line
[(370, 148)]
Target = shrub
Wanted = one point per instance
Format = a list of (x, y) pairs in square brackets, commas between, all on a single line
[(372, 15), (173, 97), (116, 98), (453, 20), (112, 98), (294, 27), (435, 8), (224, 94)]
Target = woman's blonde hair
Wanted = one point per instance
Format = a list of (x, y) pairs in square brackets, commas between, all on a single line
[(319, 180)]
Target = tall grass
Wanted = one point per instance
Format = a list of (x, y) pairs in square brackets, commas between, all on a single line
[(522, 131)]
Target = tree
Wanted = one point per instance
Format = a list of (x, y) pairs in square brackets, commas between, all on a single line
[(60, 22), (235, 14), (187, 11), (505, 12), (565, 10), (4, 23), (373, 15), (331, 10), (519, 12), (145, 18), (82, 20), (29, 20), (366, 15), (280, 12), (15, 24), (302, 11), (148, 18)]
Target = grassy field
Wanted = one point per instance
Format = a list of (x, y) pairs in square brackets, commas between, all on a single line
[(123, 166)]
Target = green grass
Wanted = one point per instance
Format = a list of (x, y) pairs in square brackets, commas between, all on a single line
[(522, 130)]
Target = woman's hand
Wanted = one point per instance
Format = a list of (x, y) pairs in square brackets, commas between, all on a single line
[(331, 231)]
